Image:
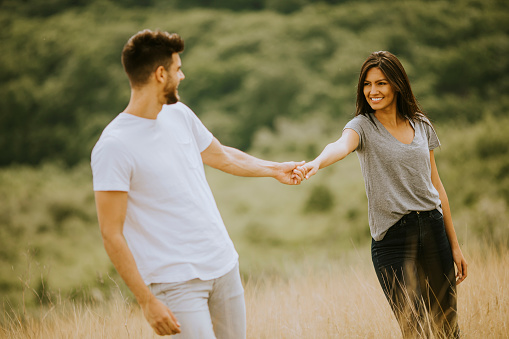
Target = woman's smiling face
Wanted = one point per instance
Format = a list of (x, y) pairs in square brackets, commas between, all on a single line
[(378, 91)]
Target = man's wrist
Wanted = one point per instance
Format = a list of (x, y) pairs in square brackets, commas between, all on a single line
[(145, 297), (273, 169)]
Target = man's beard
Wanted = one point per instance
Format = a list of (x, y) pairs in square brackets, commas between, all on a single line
[(171, 95)]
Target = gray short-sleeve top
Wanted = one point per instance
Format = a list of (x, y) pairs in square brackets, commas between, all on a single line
[(397, 176)]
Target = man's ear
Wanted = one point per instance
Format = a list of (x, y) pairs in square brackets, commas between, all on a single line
[(160, 74)]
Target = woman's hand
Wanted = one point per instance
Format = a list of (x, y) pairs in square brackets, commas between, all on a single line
[(307, 170), (461, 265)]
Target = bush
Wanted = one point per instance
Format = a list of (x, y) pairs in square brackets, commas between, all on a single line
[(321, 199)]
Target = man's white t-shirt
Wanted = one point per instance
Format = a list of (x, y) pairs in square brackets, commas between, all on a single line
[(172, 226)]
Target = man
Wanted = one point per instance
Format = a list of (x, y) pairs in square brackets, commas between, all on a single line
[(159, 221)]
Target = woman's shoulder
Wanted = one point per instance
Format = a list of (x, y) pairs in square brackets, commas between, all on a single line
[(364, 118), (425, 124), (421, 118)]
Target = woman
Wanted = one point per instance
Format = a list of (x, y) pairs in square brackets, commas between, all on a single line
[(414, 246)]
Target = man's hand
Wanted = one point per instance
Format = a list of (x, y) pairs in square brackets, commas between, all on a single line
[(111, 211), (160, 317), (286, 174), (307, 170)]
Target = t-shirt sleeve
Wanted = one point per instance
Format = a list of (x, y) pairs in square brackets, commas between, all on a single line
[(356, 125), (201, 134), (111, 167), (433, 141)]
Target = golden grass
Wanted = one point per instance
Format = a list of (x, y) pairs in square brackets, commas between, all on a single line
[(347, 302), (329, 301)]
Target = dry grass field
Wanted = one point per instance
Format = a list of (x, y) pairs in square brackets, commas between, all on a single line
[(324, 301)]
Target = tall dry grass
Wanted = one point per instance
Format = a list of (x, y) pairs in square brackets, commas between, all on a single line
[(325, 301), (347, 302)]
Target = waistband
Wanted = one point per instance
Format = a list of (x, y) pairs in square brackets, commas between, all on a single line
[(421, 214), (424, 213)]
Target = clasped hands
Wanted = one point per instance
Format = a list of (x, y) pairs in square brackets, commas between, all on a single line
[(298, 171)]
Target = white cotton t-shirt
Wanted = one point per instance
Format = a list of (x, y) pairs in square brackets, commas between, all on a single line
[(172, 227)]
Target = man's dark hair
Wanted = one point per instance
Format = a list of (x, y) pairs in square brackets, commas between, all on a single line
[(147, 50)]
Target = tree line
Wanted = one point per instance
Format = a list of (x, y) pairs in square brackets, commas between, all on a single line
[(62, 81), (47, 8)]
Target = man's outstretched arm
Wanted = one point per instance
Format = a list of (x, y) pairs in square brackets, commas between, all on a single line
[(236, 162), (111, 212)]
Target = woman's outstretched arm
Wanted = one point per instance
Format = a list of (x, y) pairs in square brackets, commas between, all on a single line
[(332, 153)]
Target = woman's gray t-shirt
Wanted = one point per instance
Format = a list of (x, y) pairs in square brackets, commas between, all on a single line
[(397, 176)]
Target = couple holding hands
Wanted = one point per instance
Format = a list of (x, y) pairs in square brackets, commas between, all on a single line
[(163, 232)]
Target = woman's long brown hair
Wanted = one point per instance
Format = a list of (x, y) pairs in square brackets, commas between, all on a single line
[(407, 104)]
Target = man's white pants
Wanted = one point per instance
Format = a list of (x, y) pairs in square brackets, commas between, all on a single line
[(206, 309)]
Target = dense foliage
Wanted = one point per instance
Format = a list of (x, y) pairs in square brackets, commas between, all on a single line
[(61, 78), (46, 8)]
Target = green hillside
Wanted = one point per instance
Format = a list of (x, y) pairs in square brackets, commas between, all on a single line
[(276, 81), (62, 80)]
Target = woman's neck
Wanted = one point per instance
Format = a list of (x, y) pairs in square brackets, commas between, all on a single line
[(390, 118)]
